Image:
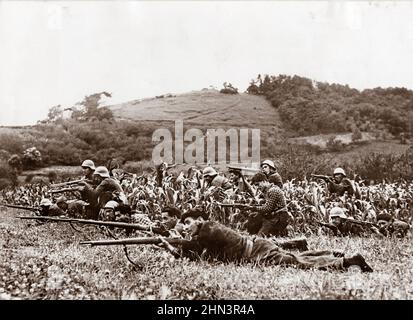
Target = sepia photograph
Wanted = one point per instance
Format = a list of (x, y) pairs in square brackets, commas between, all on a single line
[(175, 151)]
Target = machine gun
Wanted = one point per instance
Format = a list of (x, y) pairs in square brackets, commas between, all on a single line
[(122, 225)]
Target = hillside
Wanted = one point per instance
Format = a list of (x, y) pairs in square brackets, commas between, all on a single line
[(204, 108)]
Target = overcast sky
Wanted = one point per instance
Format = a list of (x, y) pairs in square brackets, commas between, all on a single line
[(57, 52)]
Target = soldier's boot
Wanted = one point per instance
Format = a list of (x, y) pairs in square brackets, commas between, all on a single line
[(357, 260)]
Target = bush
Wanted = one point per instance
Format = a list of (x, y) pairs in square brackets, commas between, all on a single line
[(32, 158), (229, 89), (334, 145)]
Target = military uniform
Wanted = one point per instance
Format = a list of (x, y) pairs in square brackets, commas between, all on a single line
[(220, 182), (76, 209), (276, 179), (273, 217), (224, 244), (53, 211), (340, 188)]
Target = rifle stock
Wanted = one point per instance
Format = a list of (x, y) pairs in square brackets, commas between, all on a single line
[(129, 241)]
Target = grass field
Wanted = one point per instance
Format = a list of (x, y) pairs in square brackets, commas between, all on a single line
[(46, 262)]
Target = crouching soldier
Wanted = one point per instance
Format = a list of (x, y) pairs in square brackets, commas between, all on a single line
[(271, 218), (270, 170), (114, 211), (73, 208), (213, 179), (49, 209), (224, 244), (389, 226), (340, 224)]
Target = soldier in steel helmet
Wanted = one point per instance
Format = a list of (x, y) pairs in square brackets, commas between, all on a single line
[(340, 184), (213, 179), (88, 168), (270, 170)]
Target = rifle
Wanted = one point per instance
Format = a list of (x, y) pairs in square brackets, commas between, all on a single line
[(34, 209), (233, 205), (69, 183), (63, 190), (320, 176), (362, 223), (146, 240), (123, 225), (328, 225)]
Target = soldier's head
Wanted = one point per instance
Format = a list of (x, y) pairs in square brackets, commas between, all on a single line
[(261, 181), (193, 219), (209, 174), (45, 203), (384, 219), (268, 166), (170, 216), (339, 174), (88, 167), (109, 210), (337, 215), (101, 173), (234, 174), (61, 202)]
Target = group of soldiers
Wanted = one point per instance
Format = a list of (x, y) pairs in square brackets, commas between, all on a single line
[(266, 212)]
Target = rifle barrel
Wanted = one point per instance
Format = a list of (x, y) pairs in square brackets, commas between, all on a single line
[(133, 241), (123, 225), (20, 207), (63, 190)]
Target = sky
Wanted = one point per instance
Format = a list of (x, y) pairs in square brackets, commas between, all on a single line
[(56, 52)]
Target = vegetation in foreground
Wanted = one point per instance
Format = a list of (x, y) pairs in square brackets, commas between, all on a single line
[(45, 261)]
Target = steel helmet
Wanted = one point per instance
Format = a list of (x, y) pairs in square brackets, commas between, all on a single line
[(111, 205), (337, 212), (209, 171), (268, 163), (339, 171), (102, 171), (45, 203), (88, 164)]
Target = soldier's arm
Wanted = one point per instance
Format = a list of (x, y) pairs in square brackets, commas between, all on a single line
[(271, 203)]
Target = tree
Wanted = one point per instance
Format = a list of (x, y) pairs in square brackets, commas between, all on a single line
[(229, 89), (55, 113), (89, 108), (15, 162), (32, 158)]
